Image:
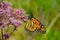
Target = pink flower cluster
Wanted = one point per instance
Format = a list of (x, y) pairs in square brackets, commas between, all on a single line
[(8, 15)]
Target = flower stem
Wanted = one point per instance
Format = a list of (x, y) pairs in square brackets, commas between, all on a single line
[(12, 32), (2, 32)]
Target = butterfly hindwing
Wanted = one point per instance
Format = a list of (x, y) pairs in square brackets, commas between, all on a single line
[(31, 25)]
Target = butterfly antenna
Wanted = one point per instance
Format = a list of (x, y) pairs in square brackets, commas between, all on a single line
[(31, 15)]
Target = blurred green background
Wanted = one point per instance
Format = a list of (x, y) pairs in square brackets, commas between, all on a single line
[(46, 11)]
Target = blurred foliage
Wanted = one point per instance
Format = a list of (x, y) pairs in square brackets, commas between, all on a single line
[(44, 11)]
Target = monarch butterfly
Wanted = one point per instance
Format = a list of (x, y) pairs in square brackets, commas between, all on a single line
[(33, 24)]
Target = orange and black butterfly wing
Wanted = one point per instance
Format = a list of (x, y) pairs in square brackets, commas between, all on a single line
[(31, 26), (37, 23)]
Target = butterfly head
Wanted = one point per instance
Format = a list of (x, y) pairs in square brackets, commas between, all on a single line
[(42, 30)]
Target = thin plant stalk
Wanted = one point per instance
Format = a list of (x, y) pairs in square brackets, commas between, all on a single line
[(50, 25), (2, 33)]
